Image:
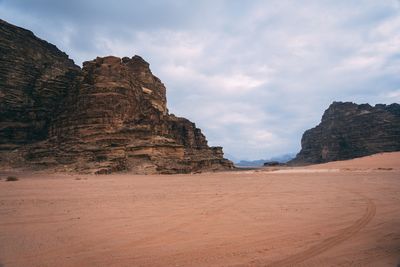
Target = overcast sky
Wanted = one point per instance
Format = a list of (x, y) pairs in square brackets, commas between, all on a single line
[(253, 75)]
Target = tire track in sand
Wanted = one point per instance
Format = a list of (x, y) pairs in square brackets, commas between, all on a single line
[(333, 241), (216, 209)]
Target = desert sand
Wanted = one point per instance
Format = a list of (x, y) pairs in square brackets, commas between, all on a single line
[(335, 214)]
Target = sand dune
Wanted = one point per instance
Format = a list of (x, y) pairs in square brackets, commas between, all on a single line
[(346, 217), (381, 161)]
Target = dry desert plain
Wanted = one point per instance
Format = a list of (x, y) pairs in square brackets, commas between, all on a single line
[(337, 214)]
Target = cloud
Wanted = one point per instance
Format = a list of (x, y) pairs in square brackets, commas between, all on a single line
[(253, 75)]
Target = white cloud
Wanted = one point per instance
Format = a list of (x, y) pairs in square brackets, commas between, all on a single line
[(392, 96)]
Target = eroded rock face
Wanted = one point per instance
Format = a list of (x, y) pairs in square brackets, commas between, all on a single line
[(348, 130), (109, 116), (34, 78)]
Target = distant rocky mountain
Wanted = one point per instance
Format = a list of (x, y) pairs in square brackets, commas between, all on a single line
[(250, 163), (259, 163), (348, 130), (111, 115)]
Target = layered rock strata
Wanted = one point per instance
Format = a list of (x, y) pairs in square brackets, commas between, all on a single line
[(35, 77), (348, 130), (111, 115)]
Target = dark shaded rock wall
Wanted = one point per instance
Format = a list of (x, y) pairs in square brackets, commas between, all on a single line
[(109, 116), (348, 130), (34, 78)]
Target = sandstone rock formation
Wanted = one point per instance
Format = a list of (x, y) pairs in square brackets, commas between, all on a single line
[(348, 130), (111, 115), (34, 78)]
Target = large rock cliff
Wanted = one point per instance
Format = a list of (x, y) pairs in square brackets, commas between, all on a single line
[(111, 115), (348, 130), (34, 78)]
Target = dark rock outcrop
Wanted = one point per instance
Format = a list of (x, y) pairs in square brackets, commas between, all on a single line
[(272, 164), (34, 78), (348, 130), (111, 115)]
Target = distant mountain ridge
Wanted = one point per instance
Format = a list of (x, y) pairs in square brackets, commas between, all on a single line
[(260, 162)]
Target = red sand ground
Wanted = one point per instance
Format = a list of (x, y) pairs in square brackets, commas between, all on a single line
[(335, 214)]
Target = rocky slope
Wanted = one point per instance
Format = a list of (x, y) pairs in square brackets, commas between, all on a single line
[(111, 115), (348, 130)]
